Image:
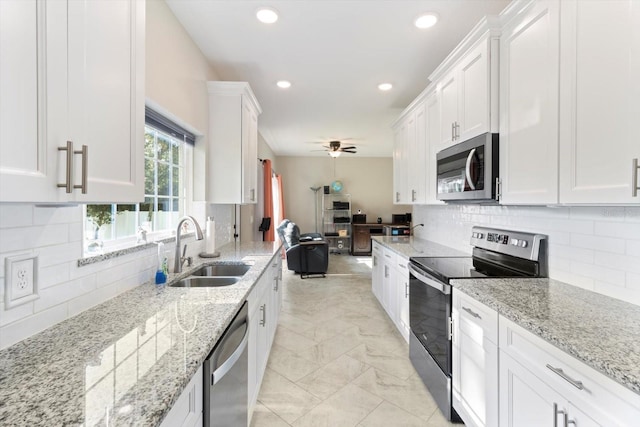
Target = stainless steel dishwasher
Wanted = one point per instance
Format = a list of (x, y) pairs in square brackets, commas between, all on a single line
[(225, 376)]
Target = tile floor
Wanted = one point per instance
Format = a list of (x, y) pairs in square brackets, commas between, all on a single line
[(338, 361)]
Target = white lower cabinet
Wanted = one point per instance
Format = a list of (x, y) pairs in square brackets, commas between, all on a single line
[(265, 301), (390, 285), (541, 385), (475, 361), (187, 411)]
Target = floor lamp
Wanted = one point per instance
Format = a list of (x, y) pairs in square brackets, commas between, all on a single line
[(315, 196)]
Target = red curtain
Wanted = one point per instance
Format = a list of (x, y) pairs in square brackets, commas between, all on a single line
[(268, 200), (282, 214)]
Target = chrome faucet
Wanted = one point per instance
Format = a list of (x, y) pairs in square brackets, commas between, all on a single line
[(177, 267), (411, 229)]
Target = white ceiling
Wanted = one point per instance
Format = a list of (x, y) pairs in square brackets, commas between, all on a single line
[(335, 53)]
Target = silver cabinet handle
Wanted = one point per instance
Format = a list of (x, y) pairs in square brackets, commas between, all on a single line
[(453, 131), (471, 312), (406, 290), (375, 261), (557, 412), (263, 309), (275, 286), (413, 195), (498, 189), (253, 194), (558, 371), (85, 159), (467, 169), (397, 196), (69, 171), (386, 271), (634, 178), (457, 130)]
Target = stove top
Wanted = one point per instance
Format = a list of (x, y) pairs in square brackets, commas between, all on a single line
[(447, 268)]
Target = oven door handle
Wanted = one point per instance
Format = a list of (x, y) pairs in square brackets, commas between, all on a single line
[(445, 289), (467, 169)]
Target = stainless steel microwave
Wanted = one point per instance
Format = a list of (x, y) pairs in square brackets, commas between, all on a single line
[(467, 172)]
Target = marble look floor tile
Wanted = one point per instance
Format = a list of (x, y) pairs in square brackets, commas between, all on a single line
[(293, 323), (390, 363), (330, 378), (438, 420), (292, 340), (329, 329), (346, 408), (290, 364), (328, 350), (264, 417), (284, 398), (386, 415), (409, 395)]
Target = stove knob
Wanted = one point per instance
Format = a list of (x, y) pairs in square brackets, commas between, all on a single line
[(524, 243), (480, 236), (515, 242)]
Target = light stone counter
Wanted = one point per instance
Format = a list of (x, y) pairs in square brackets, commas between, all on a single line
[(413, 247), (600, 331), (126, 361)]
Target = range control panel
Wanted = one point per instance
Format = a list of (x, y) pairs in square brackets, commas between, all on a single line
[(516, 243)]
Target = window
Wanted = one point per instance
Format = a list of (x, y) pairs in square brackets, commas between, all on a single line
[(116, 226)]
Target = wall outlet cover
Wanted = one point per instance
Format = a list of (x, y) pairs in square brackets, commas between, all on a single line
[(20, 280)]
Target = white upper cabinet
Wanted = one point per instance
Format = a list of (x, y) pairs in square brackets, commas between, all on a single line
[(432, 111), (400, 169), (233, 143), (529, 61), (80, 72), (599, 101), (467, 83)]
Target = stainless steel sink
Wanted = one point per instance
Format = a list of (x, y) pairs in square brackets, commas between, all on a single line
[(205, 282), (227, 270)]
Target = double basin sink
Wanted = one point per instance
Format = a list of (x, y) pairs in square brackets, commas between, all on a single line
[(213, 275)]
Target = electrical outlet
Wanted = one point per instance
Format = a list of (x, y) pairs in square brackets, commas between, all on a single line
[(20, 279)]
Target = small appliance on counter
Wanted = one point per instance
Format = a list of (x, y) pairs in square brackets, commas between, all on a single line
[(396, 230)]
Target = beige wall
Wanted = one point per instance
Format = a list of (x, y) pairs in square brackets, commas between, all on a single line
[(369, 180)]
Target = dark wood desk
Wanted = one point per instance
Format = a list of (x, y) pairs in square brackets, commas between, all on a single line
[(361, 242)]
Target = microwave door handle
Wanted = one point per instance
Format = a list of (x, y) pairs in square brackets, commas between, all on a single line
[(467, 169), (445, 289)]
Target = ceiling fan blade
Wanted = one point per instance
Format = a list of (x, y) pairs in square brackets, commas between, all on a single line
[(348, 151), (352, 147)]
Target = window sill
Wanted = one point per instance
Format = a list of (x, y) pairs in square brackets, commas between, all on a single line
[(115, 253)]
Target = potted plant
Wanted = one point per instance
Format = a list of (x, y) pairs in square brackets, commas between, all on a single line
[(99, 215)]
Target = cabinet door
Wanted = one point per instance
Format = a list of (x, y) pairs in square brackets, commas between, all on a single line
[(473, 107), (377, 271), (417, 157), (402, 292), (600, 100), (525, 400), (400, 195), (390, 293), (529, 50), (275, 277), (249, 153), (448, 110), (432, 106), (105, 103), (25, 174)]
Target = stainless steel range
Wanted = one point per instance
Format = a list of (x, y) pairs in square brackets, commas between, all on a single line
[(496, 253)]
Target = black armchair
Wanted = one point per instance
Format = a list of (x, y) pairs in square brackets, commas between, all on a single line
[(307, 254)]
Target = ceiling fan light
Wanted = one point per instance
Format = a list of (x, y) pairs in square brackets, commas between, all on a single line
[(283, 84), (385, 86), (427, 20), (334, 154), (266, 15)]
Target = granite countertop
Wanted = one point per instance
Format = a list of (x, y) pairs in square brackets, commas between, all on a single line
[(126, 361), (598, 330), (414, 247)]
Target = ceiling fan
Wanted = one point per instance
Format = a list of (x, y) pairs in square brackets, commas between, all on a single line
[(335, 148)]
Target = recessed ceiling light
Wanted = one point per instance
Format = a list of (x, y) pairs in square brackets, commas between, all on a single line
[(284, 84), (426, 21), (385, 86), (267, 15)]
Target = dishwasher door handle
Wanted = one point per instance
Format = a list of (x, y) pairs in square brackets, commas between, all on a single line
[(222, 370)]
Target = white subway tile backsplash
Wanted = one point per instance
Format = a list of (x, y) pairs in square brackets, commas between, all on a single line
[(53, 275), (12, 216), (15, 314), (595, 248), (607, 244), (43, 215), (98, 296), (27, 238), (17, 331), (58, 254), (62, 293), (623, 230)]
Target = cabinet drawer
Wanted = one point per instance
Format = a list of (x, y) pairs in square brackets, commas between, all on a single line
[(603, 399), (472, 312), (401, 265), (390, 256)]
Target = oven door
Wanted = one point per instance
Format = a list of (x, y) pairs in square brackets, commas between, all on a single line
[(467, 171), (430, 315)]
